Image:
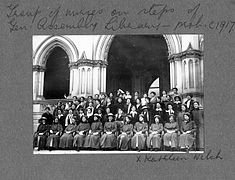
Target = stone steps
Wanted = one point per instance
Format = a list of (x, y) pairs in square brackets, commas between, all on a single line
[(39, 106)]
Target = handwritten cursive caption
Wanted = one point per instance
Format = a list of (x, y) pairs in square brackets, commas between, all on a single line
[(153, 158), (156, 16)]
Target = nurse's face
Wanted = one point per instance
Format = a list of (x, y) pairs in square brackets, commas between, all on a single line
[(169, 106), (110, 118), (107, 110), (186, 117), (127, 119), (56, 120), (141, 119), (137, 101), (158, 105), (156, 120), (133, 108), (183, 108), (195, 105), (73, 120), (83, 119)]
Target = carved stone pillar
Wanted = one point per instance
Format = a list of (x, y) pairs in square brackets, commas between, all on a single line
[(38, 82), (89, 77), (188, 72), (74, 79), (176, 72)]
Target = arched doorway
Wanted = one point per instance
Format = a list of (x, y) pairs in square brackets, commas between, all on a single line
[(56, 78), (140, 60)]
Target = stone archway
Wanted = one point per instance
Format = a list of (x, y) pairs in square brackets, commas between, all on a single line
[(104, 43), (40, 59), (173, 43), (56, 75)]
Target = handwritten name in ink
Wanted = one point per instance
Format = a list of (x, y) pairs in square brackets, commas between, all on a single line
[(153, 158)]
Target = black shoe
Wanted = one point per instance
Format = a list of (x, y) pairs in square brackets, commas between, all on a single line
[(190, 149), (78, 149), (167, 148)]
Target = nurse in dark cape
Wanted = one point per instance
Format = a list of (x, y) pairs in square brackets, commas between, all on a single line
[(198, 118), (55, 133), (40, 136)]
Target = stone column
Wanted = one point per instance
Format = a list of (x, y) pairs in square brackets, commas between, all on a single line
[(171, 74), (38, 82), (103, 78), (105, 71), (186, 74), (99, 76), (90, 77), (176, 72), (179, 83), (95, 79), (74, 78)]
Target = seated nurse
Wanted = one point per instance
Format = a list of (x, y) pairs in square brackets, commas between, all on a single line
[(81, 131), (154, 139), (140, 133), (108, 140), (171, 134), (66, 140), (187, 130)]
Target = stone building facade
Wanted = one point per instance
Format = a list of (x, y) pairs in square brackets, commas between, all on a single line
[(88, 61)]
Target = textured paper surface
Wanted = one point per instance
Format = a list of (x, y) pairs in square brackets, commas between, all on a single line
[(16, 158)]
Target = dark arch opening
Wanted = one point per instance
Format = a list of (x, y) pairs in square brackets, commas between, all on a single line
[(56, 78), (139, 60)]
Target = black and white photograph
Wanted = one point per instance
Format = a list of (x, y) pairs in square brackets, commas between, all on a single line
[(98, 94), (117, 89)]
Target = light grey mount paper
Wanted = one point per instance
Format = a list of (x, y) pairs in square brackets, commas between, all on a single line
[(20, 20)]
